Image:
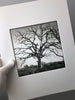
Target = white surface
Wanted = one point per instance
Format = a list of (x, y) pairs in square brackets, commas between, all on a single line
[(27, 87), (10, 2)]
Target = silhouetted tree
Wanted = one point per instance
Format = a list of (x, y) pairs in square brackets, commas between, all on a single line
[(38, 41)]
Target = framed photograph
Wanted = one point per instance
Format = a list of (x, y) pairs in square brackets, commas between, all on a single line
[(37, 48), (39, 36)]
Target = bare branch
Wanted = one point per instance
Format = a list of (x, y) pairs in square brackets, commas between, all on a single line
[(36, 40), (56, 53)]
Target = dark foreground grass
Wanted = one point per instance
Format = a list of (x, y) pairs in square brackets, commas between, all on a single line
[(27, 70)]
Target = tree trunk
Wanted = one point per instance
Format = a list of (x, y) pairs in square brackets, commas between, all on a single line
[(39, 63)]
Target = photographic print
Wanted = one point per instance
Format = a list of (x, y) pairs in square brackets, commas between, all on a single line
[(37, 48)]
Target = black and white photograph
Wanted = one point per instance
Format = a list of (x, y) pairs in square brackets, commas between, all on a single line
[(37, 48)]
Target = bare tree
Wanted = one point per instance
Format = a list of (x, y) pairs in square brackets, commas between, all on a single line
[(38, 41)]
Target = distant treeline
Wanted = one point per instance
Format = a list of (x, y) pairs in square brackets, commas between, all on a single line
[(27, 70)]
